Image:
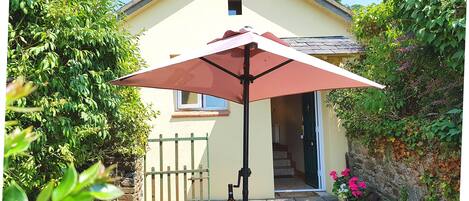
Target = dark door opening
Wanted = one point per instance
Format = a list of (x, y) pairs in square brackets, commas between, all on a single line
[(295, 153)]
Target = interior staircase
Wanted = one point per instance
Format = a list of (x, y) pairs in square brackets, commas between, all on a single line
[(283, 164)]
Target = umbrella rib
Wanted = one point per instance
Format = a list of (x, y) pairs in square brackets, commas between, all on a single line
[(220, 67), (272, 69)]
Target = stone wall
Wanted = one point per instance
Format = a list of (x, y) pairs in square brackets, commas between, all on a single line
[(129, 172), (389, 179)]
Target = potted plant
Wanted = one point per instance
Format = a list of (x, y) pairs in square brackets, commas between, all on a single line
[(347, 187)]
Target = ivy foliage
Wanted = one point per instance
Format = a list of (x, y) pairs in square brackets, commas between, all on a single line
[(70, 50), (416, 49)]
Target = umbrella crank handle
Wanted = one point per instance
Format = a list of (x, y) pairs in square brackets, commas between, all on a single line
[(231, 186)]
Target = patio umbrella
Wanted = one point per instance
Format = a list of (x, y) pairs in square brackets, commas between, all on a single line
[(242, 67)]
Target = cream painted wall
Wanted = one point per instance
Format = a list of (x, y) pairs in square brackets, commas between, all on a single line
[(335, 141), (174, 26), (225, 144)]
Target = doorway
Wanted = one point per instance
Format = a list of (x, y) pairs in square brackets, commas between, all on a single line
[(296, 143)]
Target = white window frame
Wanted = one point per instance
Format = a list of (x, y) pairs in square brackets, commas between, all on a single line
[(200, 105), (180, 105)]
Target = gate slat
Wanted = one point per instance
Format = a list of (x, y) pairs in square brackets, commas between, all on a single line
[(161, 168), (201, 183), (185, 184), (169, 184), (177, 166), (153, 190), (187, 174), (192, 166)]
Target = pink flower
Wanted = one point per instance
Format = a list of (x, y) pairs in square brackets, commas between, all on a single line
[(353, 186), (352, 183), (357, 193), (346, 172), (362, 184), (333, 175)]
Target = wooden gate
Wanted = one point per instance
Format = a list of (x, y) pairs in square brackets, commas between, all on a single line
[(192, 176)]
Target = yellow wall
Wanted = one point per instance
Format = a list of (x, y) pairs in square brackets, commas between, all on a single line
[(335, 142), (175, 26)]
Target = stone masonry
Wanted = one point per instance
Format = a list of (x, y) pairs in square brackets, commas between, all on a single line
[(129, 172), (389, 179)]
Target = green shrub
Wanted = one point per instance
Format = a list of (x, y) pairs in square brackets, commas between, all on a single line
[(91, 184), (70, 50), (416, 49)]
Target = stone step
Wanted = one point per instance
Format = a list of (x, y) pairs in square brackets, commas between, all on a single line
[(284, 172), (282, 163), (280, 155)]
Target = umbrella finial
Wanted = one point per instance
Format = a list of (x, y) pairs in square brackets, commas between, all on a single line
[(247, 29)]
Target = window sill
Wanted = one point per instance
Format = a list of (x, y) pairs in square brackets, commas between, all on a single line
[(205, 113)]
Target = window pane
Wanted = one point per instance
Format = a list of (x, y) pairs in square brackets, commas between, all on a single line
[(214, 102), (232, 12), (188, 97)]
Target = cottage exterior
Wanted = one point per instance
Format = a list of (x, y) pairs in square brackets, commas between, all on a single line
[(278, 135)]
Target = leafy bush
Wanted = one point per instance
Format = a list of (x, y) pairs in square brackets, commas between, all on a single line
[(70, 50), (416, 49), (89, 185)]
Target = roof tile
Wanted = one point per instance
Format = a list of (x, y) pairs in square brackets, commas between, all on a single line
[(324, 45)]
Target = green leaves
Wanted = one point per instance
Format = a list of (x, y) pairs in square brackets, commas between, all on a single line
[(70, 50), (105, 192), (46, 193), (440, 24), (72, 187), (18, 141), (66, 185), (416, 49), (17, 90), (88, 176), (89, 185), (14, 193)]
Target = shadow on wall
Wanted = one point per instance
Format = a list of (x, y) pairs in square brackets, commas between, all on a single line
[(225, 155), (189, 155)]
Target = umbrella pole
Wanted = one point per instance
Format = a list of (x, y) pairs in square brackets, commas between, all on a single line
[(246, 172)]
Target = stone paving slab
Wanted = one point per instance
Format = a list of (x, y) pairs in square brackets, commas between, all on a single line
[(320, 196)]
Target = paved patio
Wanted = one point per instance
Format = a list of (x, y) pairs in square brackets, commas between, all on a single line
[(303, 196)]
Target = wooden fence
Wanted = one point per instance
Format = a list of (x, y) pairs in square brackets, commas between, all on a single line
[(195, 176)]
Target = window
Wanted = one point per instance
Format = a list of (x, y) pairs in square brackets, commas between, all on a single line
[(234, 7), (194, 101)]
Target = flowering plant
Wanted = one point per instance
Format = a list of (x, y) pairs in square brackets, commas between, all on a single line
[(347, 187)]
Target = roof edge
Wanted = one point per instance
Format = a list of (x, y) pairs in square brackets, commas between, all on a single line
[(332, 5), (336, 8), (133, 6)]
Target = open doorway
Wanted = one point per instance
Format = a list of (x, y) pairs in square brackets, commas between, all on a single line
[(296, 143)]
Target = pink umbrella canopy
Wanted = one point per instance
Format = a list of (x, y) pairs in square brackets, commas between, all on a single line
[(194, 71), (243, 67)]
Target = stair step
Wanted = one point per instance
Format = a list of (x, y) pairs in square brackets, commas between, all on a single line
[(284, 172), (280, 154), (282, 163), (280, 147)]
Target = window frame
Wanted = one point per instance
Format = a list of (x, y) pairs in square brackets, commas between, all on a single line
[(180, 105), (200, 105), (238, 11)]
